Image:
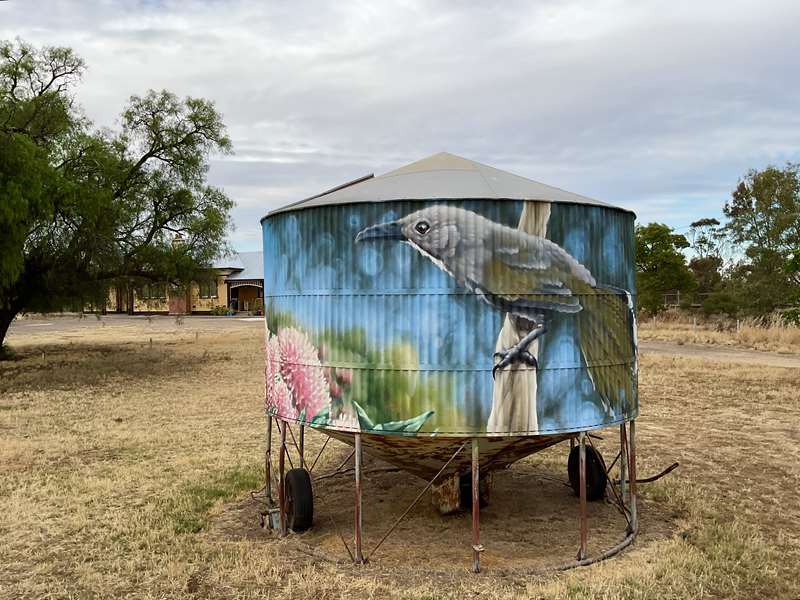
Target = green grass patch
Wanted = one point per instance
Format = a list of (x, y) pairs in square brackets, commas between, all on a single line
[(190, 511)]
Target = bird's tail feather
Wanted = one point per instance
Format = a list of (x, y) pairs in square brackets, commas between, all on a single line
[(607, 333)]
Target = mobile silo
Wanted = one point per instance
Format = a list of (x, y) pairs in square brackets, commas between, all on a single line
[(449, 305)]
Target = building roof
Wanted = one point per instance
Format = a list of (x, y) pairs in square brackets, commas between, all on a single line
[(245, 265), (442, 176)]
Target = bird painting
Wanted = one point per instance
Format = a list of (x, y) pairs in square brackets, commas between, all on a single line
[(531, 279)]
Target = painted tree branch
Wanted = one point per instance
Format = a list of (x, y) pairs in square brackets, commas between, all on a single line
[(514, 402)]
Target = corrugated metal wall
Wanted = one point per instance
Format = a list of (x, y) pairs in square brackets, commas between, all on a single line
[(379, 336)]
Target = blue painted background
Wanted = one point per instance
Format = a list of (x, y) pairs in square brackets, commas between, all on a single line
[(396, 307)]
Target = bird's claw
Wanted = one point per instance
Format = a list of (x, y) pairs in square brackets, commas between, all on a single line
[(513, 355)]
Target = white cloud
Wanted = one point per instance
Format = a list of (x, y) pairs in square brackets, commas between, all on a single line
[(658, 107)]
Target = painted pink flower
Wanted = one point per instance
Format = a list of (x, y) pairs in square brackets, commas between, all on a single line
[(283, 400), (272, 369), (301, 369)]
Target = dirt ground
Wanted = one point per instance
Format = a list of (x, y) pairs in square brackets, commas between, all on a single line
[(129, 448)]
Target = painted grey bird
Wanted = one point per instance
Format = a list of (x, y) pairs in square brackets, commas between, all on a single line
[(530, 278)]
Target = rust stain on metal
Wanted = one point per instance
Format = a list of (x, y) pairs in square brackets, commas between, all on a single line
[(268, 463), (281, 486), (359, 556), (632, 454), (582, 487), (476, 508), (446, 495)]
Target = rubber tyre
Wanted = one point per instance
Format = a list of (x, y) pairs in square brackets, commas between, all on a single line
[(299, 500), (596, 478)]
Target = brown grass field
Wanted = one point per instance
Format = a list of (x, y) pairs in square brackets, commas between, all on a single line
[(126, 467), (681, 328)]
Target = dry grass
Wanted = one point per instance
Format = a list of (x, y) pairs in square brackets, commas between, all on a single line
[(772, 336), (125, 469)]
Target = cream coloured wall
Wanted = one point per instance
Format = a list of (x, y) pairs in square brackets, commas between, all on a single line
[(199, 304)]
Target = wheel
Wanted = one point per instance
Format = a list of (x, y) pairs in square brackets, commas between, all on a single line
[(596, 478), (299, 500)]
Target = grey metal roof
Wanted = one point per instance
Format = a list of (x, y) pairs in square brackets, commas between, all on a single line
[(442, 176), (246, 265)]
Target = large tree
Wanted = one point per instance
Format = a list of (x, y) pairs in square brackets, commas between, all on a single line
[(764, 218), (660, 265), (707, 241), (83, 209)]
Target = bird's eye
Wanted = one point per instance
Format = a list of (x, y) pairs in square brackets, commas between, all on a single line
[(422, 227)]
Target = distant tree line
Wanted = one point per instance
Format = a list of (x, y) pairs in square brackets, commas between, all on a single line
[(748, 265)]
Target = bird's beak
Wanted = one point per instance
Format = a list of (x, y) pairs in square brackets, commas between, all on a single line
[(384, 231)]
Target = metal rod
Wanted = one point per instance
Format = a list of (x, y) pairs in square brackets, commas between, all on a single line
[(414, 503), (476, 508), (341, 537), (620, 504), (359, 556), (582, 488), (623, 450), (302, 446), (268, 462), (281, 487), (321, 450), (344, 462), (595, 559), (289, 456), (613, 462), (657, 476), (296, 446), (363, 471), (632, 469)]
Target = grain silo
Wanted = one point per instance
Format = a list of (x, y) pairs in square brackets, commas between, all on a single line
[(451, 318)]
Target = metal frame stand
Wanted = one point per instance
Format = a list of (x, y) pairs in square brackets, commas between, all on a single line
[(584, 521), (623, 460), (625, 497), (281, 486), (634, 526), (476, 508), (268, 464), (359, 556), (302, 446)]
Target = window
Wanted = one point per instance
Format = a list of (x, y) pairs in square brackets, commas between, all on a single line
[(208, 289), (153, 291)]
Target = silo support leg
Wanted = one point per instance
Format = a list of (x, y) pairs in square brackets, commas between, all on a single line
[(268, 463), (476, 508), (582, 489), (632, 471), (623, 462), (359, 556), (302, 446), (281, 487)]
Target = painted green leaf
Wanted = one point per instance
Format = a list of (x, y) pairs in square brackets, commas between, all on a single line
[(409, 425)]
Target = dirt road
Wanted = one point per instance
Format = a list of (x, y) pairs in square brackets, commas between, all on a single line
[(52, 329), (721, 354)]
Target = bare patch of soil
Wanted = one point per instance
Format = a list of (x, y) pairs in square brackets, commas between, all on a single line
[(531, 523)]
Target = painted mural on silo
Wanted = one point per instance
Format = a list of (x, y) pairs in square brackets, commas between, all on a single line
[(451, 318)]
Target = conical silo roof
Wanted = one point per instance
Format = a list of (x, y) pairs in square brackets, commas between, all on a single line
[(442, 176)]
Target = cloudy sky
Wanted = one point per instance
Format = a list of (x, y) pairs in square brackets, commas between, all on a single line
[(656, 106)]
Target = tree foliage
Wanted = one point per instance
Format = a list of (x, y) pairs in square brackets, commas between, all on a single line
[(660, 265), (764, 219), (82, 209), (749, 265)]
